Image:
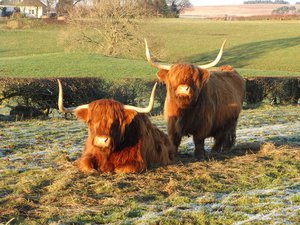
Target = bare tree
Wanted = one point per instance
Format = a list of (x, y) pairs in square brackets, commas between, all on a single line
[(49, 4), (160, 7), (178, 6), (111, 27), (64, 6)]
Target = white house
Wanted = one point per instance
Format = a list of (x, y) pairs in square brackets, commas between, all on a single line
[(30, 8)]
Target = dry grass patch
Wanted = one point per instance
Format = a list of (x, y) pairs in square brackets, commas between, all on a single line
[(175, 193)]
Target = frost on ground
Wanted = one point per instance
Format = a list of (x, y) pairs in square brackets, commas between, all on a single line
[(256, 183), (281, 199), (278, 134), (264, 206), (279, 126)]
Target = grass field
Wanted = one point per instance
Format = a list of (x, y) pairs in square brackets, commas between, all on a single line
[(260, 48), (257, 183)]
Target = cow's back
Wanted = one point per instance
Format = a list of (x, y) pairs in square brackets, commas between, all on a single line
[(156, 147), (225, 90)]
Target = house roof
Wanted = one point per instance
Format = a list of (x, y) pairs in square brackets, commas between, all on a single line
[(21, 3)]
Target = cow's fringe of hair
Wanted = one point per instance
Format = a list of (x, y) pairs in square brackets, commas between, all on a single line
[(138, 145)]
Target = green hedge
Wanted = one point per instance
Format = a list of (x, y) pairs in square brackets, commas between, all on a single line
[(41, 94), (276, 90)]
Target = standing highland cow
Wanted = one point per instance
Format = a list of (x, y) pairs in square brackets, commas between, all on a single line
[(121, 138), (201, 103)]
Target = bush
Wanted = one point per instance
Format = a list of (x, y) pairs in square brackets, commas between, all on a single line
[(282, 90), (42, 94), (137, 92), (254, 91), (278, 90), (18, 22)]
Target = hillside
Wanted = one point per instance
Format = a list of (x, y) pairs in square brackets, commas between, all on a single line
[(231, 10), (255, 48)]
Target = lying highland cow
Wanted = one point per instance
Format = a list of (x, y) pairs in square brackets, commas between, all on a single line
[(121, 138), (201, 103)]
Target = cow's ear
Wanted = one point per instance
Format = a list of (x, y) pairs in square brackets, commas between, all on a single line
[(204, 75), (162, 75), (82, 114), (129, 115)]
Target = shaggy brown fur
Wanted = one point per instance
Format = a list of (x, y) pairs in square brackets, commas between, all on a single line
[(135, 143), (210, 109)]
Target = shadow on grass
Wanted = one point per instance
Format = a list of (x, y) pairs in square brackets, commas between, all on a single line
[(238, 150), (239, 56)]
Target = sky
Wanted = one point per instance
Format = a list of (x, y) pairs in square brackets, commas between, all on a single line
[(224, 2)]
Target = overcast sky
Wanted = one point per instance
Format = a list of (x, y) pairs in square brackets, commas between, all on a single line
[(224, 2)]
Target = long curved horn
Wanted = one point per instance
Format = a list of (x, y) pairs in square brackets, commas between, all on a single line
[(152, 63), (215, 62), (61, 105), (150, 105)]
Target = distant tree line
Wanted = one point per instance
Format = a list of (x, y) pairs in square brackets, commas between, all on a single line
[(285, 10), (168, 8), (266, 2)]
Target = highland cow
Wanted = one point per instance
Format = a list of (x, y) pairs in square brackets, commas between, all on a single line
[(121, 138), (201, 103)]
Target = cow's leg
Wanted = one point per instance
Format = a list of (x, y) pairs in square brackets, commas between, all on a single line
[(133, 167), (176, 139), (230, 137), (229, 142), (199, 147), (219, 140), (85, 163), (174, 136)]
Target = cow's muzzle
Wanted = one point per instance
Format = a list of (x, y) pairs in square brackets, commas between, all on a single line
[(183, 90), (102, 141)]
